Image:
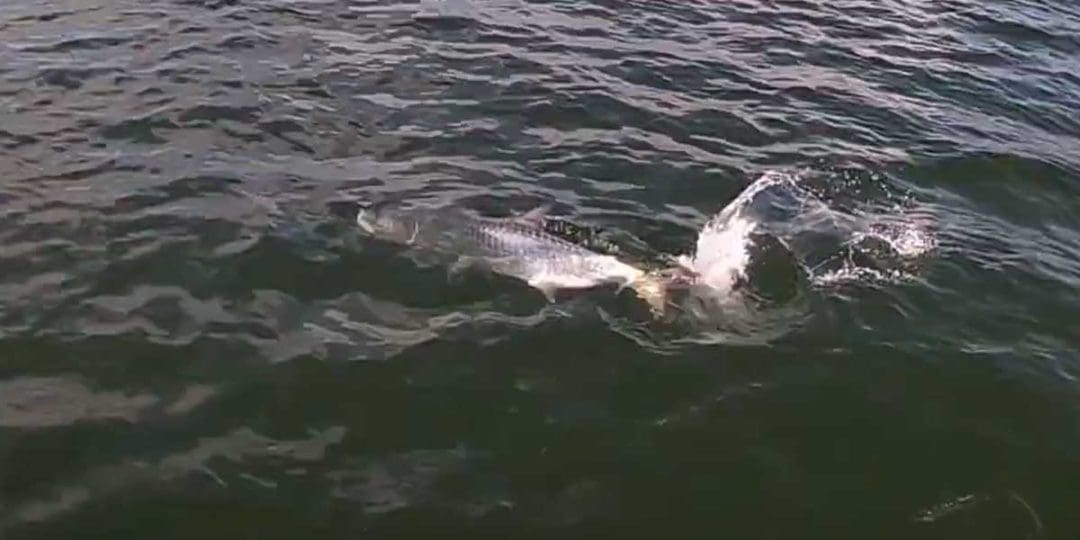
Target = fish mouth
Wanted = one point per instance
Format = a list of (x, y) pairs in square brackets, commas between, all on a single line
[(363, 222)]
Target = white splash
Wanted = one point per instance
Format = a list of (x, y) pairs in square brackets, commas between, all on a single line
[(721, 255), (722, 251), (866, 244)]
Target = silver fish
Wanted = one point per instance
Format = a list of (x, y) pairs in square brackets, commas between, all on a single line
[(516, 247)]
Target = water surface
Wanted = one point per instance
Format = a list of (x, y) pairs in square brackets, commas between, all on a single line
[(196, 341)]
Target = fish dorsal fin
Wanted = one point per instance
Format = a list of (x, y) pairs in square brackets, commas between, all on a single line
[(534, 217)]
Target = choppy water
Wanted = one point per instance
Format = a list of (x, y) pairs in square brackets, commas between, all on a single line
[(196, 342)]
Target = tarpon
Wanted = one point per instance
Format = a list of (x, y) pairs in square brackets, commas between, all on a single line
[(518, 247)]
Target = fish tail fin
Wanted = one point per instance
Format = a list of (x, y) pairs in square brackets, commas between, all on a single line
[(653, 290)]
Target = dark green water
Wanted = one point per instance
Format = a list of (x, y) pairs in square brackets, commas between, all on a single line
[(196, 341)]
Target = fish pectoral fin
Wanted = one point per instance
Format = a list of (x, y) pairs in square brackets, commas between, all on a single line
[(545, 287), (535, 217), (653, 291), (455, 273)]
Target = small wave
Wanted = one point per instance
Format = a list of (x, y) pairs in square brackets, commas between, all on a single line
[(885, 253), (907, 240)]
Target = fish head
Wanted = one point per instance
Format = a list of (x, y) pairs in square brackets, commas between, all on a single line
[(391, 223)]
